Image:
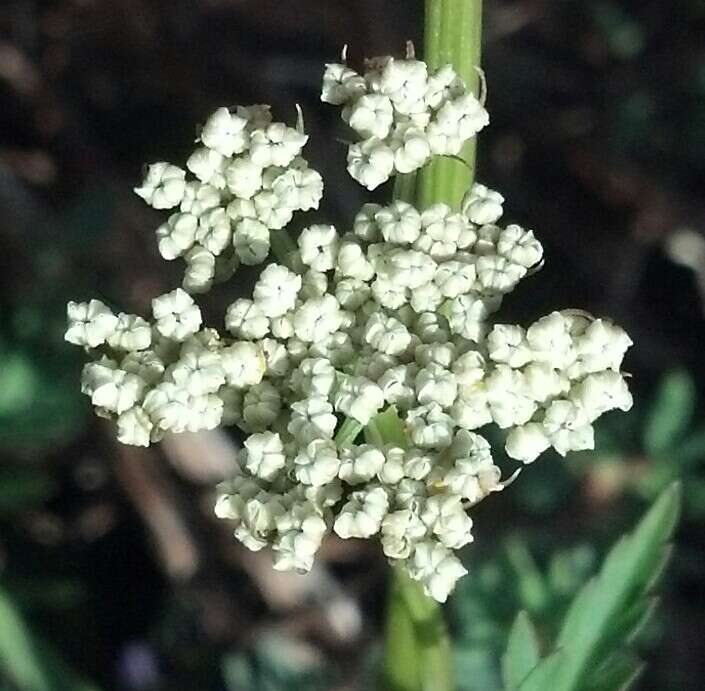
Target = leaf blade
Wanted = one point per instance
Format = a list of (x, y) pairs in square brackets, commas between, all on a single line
[(522, 653)]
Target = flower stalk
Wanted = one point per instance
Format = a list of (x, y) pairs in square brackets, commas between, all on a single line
[(418, 652), (453, 35)]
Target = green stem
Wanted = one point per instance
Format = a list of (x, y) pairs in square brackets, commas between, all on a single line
[(453, 36), (417, 644), (417, 654)]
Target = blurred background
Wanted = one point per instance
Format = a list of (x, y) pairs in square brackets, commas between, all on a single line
[(113, 572)]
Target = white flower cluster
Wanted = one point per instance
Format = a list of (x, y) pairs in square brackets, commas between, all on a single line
[(388, 326), (248, 179), (403, 115)]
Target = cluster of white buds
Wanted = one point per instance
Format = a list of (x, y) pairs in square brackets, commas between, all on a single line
[(365, 365), (248, 179), (402, 114)]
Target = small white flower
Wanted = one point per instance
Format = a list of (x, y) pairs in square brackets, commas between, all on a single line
[(200, 270), (276, 358), (386, 334), (312, 419), (550, 340), (352, 263), (400, 531), (225, 133), (341, 84), (519, 246), (317, 464), (507, 343), (89, 323), (299, 188), (392, 471), (467, 315), (429, 427), (243, 364), (275, 291), (436, 567), (508, 397), (199, 198), (463, 117), (426, 298), (471, 408), (198, 373), (602, 346), (214, 231), (435, 384), (527, 442), (405, 81), (319, 247), (568, 428), (361, 516), (317, 318), (271, 211), (168, 407), (440, 86), (454, 278), (163, 186), (389, 294), (397, 384), (601, 392), (412, 150), (498, 275), (370, 162), (360, 464), (409, 268), (134, 427), (277, 145), (244, 177), (264, 456), (208, 166), (399, 223), (473, 475), (244, 319), (443, 354), (445, 517), (145, 364), (543, 382), (482, 205), (177, 235), (118, 391), (417, 464), (371, 115), (358, 398), (176, 315)]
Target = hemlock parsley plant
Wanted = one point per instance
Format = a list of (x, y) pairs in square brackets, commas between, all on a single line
[(394, 317)]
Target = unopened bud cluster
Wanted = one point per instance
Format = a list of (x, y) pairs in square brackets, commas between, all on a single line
[(386, 326), (402, 114), (248, 178)]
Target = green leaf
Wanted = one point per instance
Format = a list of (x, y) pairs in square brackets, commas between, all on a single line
[(386, 428), (618, 672), (606, 613), (671, 412), (522, 652), (26, 661)]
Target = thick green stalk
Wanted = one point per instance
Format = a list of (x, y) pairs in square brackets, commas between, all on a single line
[(417, 645), (452, 36), (417, 654)]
